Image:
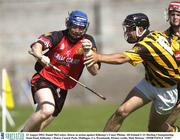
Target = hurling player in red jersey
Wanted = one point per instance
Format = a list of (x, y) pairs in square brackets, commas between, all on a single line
[(66, 50), (173, 32)]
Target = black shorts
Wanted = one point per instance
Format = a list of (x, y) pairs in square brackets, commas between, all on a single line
[(38, 82)]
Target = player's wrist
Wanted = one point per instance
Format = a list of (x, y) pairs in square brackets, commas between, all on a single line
[(44, 59)]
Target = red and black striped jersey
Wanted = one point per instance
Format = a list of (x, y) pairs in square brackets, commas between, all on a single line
[(65, 55)]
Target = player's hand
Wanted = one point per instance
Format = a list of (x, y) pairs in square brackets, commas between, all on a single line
[(45, 60), (87, 46), (91, 59)]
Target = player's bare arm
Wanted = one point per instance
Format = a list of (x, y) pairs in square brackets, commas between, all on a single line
[(117, 58), (37, 51)]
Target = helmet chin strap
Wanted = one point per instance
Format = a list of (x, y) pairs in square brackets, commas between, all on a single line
[(138, 31)]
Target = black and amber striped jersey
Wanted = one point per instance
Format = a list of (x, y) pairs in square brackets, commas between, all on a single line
[(175, 41), (156, 54)]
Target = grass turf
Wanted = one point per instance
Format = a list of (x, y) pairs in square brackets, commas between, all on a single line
[(85, 118)]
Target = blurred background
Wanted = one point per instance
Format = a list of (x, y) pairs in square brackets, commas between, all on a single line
[(22, 21)]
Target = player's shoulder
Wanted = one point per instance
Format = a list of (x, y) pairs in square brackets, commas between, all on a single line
[(55, 34), (157, 33), (153, 36), (59, 34)]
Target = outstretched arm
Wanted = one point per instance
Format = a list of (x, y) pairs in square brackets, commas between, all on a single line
[(116, 58)]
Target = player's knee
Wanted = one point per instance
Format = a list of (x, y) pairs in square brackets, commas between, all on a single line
[(46, 112)]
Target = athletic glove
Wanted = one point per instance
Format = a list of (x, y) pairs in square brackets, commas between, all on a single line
[(87, 46), (45, 60)]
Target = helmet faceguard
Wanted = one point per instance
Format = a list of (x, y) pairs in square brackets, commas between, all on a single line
[(77, 19), (133, 22)]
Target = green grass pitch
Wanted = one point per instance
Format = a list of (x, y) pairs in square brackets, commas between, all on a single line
[(85, 118)]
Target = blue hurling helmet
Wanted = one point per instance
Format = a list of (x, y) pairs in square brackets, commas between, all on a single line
[(77, 18)]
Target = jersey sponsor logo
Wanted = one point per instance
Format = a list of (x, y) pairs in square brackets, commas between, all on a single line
[(165, 44), (66, 60), (62, 46), (68, 53)]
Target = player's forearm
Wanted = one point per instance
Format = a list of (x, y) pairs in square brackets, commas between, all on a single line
[(113, 58), (37, 49)]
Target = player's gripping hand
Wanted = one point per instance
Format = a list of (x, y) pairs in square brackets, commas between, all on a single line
[(45, 60), (87, 46)]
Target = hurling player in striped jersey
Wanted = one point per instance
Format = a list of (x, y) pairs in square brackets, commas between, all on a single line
[(159, 86), (173, 33)]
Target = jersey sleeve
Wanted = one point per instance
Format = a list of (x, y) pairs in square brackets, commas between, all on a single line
[(135, 54), (49, 40)]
